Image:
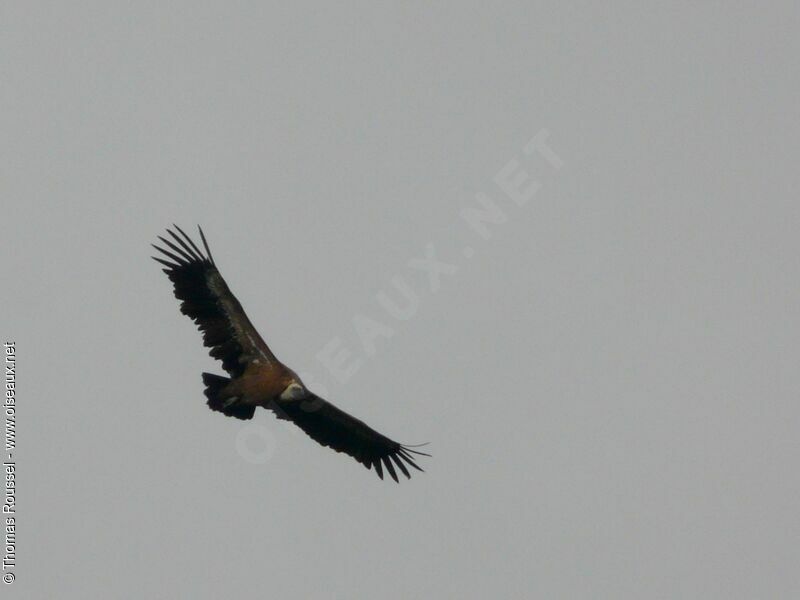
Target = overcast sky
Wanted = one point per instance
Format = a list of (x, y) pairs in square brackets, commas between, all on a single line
[(605, 366)]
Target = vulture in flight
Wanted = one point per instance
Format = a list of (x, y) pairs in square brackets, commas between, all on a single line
[(257, 377)]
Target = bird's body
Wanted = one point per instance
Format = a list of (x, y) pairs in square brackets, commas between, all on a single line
[(262, 384), (257, 377)]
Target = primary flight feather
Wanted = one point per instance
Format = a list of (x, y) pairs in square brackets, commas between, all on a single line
[(257, 377)]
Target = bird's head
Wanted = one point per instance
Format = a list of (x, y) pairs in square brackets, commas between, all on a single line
[(294, 391)]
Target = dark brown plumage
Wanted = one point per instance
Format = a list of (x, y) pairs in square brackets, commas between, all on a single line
[(257, 377)]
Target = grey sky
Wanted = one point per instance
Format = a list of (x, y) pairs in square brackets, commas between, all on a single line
[(609, 382)]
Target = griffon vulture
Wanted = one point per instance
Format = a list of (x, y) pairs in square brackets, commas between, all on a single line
[(257, 377)]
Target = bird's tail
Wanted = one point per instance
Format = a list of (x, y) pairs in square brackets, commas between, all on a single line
[(215, 385)]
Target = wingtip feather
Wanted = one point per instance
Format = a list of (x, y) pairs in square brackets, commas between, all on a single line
[(205, 244)]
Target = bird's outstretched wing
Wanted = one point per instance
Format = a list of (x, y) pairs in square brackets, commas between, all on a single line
[(205, 298), (334, 428)]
